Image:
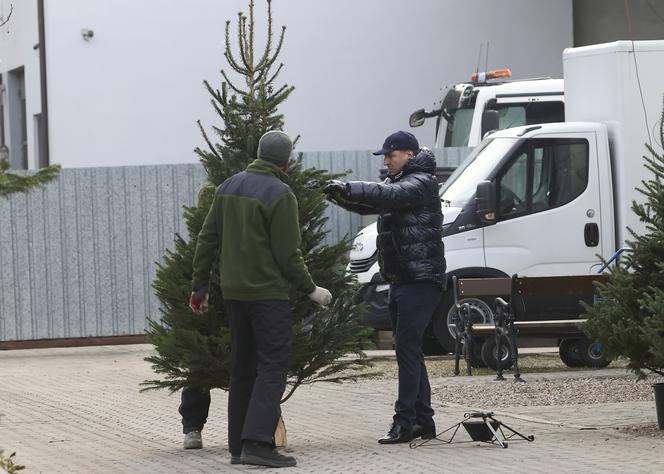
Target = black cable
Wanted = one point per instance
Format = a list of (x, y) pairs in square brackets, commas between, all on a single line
[(655, 11)]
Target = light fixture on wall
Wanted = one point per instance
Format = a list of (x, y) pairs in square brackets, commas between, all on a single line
[(87, 34)]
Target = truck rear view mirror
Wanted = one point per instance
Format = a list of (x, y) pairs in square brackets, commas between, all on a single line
[(485, 200), (490, 121), (417, 118)]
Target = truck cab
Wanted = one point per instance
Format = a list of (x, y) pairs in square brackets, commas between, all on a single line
[(466, 111)]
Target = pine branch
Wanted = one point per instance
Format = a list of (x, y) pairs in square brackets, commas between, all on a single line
[(277, 52), (12, 183), (242, 42), (228, 54), (251, 32), (274, 76), (268, 45), (235, 89), (210, 145)]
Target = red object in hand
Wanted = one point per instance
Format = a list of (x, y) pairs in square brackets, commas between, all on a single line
[(198, 302)]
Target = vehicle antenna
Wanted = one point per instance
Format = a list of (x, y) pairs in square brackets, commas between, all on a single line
[(479, 59)]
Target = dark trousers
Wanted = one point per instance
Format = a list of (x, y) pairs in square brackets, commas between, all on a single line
[(194, 408), (261, 339), (262, 336), (411, 308)]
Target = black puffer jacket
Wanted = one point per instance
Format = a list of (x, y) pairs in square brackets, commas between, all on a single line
[(410, 226)]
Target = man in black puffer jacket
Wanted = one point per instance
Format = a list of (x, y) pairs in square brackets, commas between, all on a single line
[(411, 258)]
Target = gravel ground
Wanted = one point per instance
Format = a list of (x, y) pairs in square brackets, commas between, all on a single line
[(650, 430), (538, 390), (544, 392), (444, 367)]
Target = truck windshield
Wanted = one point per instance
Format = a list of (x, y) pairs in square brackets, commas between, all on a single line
[(455, 125), (461, 186)]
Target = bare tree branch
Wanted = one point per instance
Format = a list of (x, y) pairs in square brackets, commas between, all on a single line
[(6, 20)]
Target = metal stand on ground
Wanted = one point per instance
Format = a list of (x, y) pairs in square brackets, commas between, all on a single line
[(487, 430)]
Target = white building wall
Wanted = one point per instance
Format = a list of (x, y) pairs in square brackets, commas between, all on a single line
[(17, 40), (132, 94)]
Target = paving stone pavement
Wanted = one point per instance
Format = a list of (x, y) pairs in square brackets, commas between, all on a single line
[(79, 410)]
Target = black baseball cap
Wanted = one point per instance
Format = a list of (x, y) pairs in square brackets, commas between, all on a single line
[(400, 140)]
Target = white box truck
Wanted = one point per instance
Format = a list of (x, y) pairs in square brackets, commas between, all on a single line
[(561, 192)]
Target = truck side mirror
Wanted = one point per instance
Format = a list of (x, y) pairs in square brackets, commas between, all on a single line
[(485, 200), (490, 121), (417, 118)]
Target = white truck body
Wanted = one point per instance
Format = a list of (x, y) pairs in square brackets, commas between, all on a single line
[(563, 190), (619, 84)]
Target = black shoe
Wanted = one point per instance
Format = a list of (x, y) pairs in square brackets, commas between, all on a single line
[(263, 454), (427, 431), (397, 434)]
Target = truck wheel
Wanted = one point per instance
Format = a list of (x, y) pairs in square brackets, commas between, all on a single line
[(570, 352), (490, 350), (476, 361), (444, 328), (593, 354)]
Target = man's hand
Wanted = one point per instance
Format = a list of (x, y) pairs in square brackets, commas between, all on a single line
[(198, 301), (322, 296), (336, 189)]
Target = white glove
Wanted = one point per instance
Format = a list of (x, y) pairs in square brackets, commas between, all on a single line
[(322, 296)]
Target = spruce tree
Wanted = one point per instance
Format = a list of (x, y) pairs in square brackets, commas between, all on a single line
[(195, 350), (11, 183), (628, 318)]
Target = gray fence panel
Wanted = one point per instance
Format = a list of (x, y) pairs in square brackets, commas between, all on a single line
[(77, 258)]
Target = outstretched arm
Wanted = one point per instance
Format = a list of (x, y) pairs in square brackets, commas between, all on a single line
[(358, 208), (411, 192)]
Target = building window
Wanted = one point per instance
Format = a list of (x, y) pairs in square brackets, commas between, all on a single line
[(18, 127)]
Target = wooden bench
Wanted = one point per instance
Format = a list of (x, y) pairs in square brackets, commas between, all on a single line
[(510, 314), (563, 327)]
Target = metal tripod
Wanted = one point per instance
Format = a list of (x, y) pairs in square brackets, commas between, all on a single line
[(489, 430)]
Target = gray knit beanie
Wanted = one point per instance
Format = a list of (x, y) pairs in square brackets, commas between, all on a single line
[(275, 147)]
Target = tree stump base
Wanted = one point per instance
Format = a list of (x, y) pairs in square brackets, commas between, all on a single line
[(280, 434)]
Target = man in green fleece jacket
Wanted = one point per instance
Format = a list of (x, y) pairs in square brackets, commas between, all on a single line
[(253, 228)]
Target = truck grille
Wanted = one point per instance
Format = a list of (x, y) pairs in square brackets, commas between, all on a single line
[(364, 264)]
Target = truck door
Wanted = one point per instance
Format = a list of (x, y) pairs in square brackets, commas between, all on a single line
[(548, 216)]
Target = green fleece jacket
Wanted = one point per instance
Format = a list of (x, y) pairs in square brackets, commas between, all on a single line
[(253, 228)]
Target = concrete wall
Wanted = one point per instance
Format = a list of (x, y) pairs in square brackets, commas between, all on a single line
[(602, 21), (131, 95)]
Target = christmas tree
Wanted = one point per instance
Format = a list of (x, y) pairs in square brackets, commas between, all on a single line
[(195, 350), (11, 183), (628, 318)]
